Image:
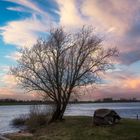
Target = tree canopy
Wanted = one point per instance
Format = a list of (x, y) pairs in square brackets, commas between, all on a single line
[(56, 65)]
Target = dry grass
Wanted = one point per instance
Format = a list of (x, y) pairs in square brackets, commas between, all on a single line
[(37, 117), (80, 128)]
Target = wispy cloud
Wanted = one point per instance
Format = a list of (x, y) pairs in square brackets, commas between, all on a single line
[(30, 5), (9, 81), (69, 14), (14, 56), (16, 94), (18, 9), (23, 33), (4, 68)]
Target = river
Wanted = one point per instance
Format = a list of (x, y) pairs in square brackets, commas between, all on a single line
[(8, 113)]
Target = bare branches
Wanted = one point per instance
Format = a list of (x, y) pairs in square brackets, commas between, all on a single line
[(57, 65)]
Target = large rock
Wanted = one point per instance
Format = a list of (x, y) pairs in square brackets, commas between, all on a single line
[(105, 117)]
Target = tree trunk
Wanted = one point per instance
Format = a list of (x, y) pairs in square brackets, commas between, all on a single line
[(55, 114), (63, 106), (62, 111), (58, 113)]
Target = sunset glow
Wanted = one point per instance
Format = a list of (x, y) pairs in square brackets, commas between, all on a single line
[(22, 22)]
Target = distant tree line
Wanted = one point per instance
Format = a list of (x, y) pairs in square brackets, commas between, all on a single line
[(24, 102), (32, 102), (106, 100)]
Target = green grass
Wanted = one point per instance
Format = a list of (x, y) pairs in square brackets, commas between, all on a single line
[(80, 128)]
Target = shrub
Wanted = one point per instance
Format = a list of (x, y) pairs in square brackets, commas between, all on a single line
[(38, 116), (20, 120)]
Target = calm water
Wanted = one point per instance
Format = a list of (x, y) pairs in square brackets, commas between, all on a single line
[(7, 113)]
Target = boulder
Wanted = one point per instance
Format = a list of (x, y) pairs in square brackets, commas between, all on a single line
[(105, 117)]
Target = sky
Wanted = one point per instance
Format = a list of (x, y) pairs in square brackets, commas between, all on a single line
[(22, 22)]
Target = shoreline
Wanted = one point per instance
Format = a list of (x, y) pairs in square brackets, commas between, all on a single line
[(24, 130), (2, 137), (81, 127)]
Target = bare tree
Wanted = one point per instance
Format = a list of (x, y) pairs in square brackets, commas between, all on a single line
[(60, 63)]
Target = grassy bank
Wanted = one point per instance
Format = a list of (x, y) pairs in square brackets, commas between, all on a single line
[(80, 128)]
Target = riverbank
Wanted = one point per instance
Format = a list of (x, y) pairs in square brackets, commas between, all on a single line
[(80, 128)]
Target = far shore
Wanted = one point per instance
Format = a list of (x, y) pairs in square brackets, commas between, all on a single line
[(47, 103)]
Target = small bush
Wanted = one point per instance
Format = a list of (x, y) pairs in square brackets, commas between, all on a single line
[(36, 121), (20, 121), (37, 117)]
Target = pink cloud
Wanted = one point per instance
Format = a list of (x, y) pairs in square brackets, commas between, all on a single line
[(16, 94)]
